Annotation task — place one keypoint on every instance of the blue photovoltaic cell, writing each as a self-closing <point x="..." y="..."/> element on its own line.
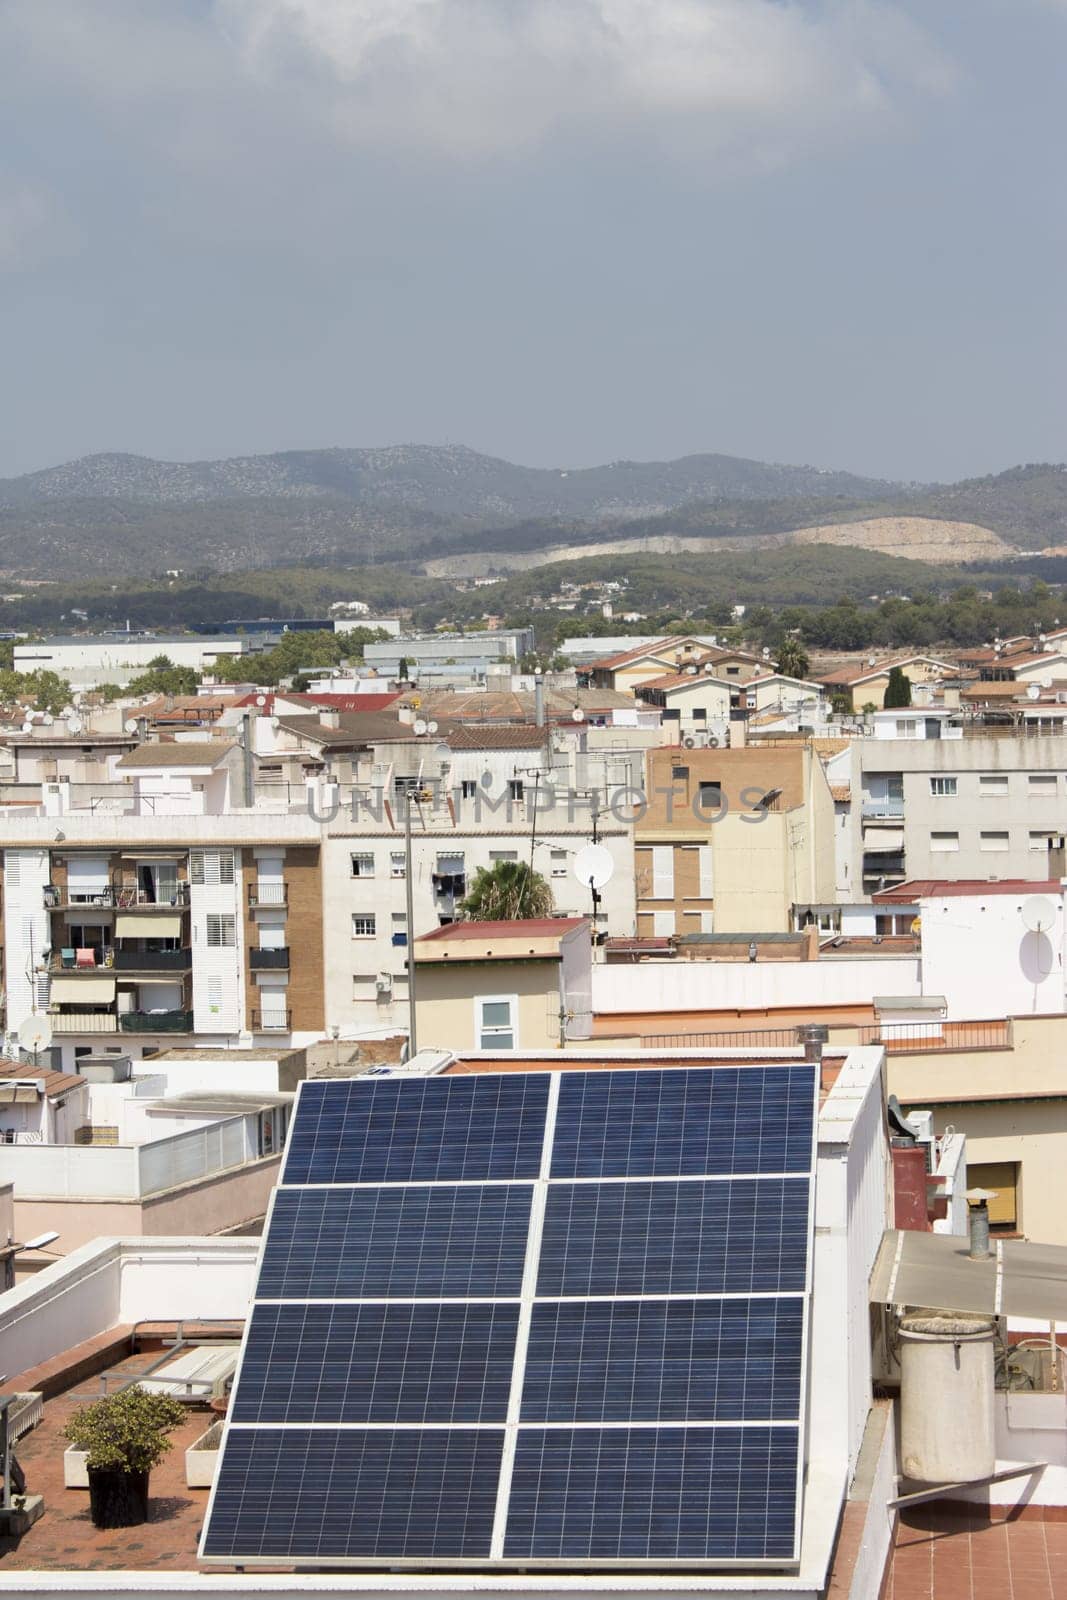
<point x="706" y="1120"/>
<point x="426" y="1130"/>
<point x="745" y="1237"/>
<point x="298" y="1493"/>
<point x="332" y="1244"/>
<point x="377" y="1363"/>
<point x="663" y="1494"/>
<point x="664" y="1361"/>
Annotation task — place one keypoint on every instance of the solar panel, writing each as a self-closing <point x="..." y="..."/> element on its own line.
<point x="663" y="1494"/>
<point x="529" y="1318"/>
<point x="330" y="1244"/>
<point x="377" y="1363"/>
<point x="389" y="1130"/>
<point x="649" y="1123"/>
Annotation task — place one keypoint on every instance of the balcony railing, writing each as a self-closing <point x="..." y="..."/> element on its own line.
<point x="156" y="1021"/>
<point x="125" y="896"/>
<point x="129" y="897"/>
<point x="57" y="897"/>
<point x="84" y="1021"/>
<point x="273" y="895"/>
<point x="883" y="810"/>
<point x="920" y="1037"/>
<point x="152" y="960"/>
<point x="269" y="960"/>
<point x="271" y="1021"/>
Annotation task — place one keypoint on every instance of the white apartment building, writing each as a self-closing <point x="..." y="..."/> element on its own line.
<point x="983" y="806"/>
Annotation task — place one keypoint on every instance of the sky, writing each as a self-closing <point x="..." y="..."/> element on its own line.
<point x="559" y="231"/>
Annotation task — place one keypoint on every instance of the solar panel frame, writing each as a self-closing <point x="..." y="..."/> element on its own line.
<point x="499" y="1556"/>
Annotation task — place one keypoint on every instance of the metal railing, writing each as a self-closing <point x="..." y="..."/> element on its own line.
<point x="130" y="897"/>
<point x="267" y="894"/>
<point x="57" y="896"/>
<point x="269" y="960"/>
<point x="920" y="1037"/>
<point x="739" y="1039"/>
<point x="156" y="1022"/>
<point x="84" y="1021"/>
<point x="271" y="1021"/>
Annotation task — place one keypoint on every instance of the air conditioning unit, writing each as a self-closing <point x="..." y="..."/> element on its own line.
<point x="713" y="741"/>
<point x="689" y="742"/>
<point x="383" y="984"/>
<point x="28" y="1136"/>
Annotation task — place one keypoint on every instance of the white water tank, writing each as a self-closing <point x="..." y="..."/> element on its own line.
<point x="946" y="1397"/>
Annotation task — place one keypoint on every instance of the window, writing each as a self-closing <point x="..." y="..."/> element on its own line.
<point x="1002" y="1179"/>
<point x="699" y="713"/>
<point x="943" y="786"/>
<point x="906" y="727"/>
<point x="1042" y="783"/>
<point x="709" y="796"/>
<point x="944" y="841"/>
<point x="503" y="855"/>
<point x="364" y="926"/>
<point x="663" y="924"/>
<point x="495" y="1019"/>
<point x="468" y="789"/>
<point x="515" y="788"/>
<point x="993" y="783"/>
<point x="993" y="841"/>
<point x="211" y="867"/>
<point x="398" y="866"/>
<point x="559" y="863"/>
<point x="363" y="865"/>
<point x="679" y="774"/>
<point x="221" y="929"/>
<point x="400" y="929"/>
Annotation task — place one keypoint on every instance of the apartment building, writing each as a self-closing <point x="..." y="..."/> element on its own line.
<point x="731" y="840"/>
<point x="866" y="684"/>
<point x="974" y="807"/>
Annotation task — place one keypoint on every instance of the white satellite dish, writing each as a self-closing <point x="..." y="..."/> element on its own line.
<point x="593" y="866"/>
<point x="68" y="711"/>
<point x="130" y="725"/>
<point x="418" y="727"/>
<point x="48" y="719"/>
<point x="35" y="1033"/>
<point x="1038" y="914"/>
<point x="431" y="727"/>
<point x="1033" y="692"/>
<point x="74" y="724"/>
<point x="27" y="726"/>
<point x="261" y="699"/>
<point x="577" y="715"/>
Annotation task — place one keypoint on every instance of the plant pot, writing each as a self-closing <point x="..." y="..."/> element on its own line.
<point x="117" y="1499"/>
<point x="202" y="1458"/>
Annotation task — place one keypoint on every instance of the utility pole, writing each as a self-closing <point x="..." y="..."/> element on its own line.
<point x="409" y="887"/>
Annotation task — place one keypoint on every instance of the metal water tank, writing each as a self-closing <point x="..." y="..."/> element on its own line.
<point x="946" y="1397"/>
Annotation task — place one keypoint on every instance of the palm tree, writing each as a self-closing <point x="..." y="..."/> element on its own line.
<point x="793" y="659"/>
<point x="507" y="892"/>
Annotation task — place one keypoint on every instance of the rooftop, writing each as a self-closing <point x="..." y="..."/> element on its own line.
<point x="55" y="1083"/>
<point x="180" y="753"/>
<point x="523" y="928"/>
<point x="916" y="889"/>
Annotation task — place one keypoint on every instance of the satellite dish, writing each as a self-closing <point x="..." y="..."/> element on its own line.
<point x="1033" y="692"/>
<point x="577" y="715"/>
<point x="74" y="724"/>
<point x="130" y="725"/>
<point x="35" y="1033"/>
<point x="418" y="727"/>
<point x="1038" y="914"/>
<point x="27" y="726"/>
<point x="593" y="866"/>
<point x="431" y="727"/>
<point x="261" y="699"/>
<point x="709" y="666"/>
<point x="68" y="711"/>
<point x="48" y="719"/>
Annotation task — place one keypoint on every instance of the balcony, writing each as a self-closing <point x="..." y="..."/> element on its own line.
<point x="84" y="1021"/>
<point x="57" y="897"/>
<point x="152" y="960"/>
<point x="264" y="896"/>
<point x="269" y="960"/>
<point x="156" y="1022"/>
<point x="883" y="810"/>
<point x="128" y="897"/>
<point x="271" y="1021"/>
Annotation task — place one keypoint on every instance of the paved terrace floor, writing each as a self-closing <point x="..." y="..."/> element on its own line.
<point x="946" y="1555"/>
<point x="65" y="1540"/>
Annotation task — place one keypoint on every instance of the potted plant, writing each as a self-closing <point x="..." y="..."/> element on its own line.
<point x="123" y="1435"/>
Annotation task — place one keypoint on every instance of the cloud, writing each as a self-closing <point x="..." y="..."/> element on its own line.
<point x="488" y="77"/>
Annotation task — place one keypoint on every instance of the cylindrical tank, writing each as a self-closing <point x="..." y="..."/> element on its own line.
<point x="946" y="1397"/>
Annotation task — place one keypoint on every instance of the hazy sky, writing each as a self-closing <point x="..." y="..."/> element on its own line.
<point x="563" y="231"/>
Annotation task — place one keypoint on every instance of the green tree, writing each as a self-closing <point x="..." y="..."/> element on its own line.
<point x="793" y="659"/>
<point x="47" y="690"/>
<point x="897" y="689"/>
<point x="508" y="892"/>
<point x="161" y="676"/>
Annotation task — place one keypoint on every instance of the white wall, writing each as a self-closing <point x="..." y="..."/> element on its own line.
<point x="712" y="985"/>
<point x="978" y="953"/>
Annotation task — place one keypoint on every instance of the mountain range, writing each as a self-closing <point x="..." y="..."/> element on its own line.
<point x="125" y="514"/>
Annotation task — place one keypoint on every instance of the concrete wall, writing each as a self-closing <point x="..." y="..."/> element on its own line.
<point x="445" y="1002"/>
<point x="978" y="953"/>
<point x="701" y="986"/>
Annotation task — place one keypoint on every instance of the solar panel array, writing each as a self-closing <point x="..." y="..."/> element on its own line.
<point x="529" y="1318"/>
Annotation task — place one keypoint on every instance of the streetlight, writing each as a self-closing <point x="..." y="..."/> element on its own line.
<point x="9" y="1251"/>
